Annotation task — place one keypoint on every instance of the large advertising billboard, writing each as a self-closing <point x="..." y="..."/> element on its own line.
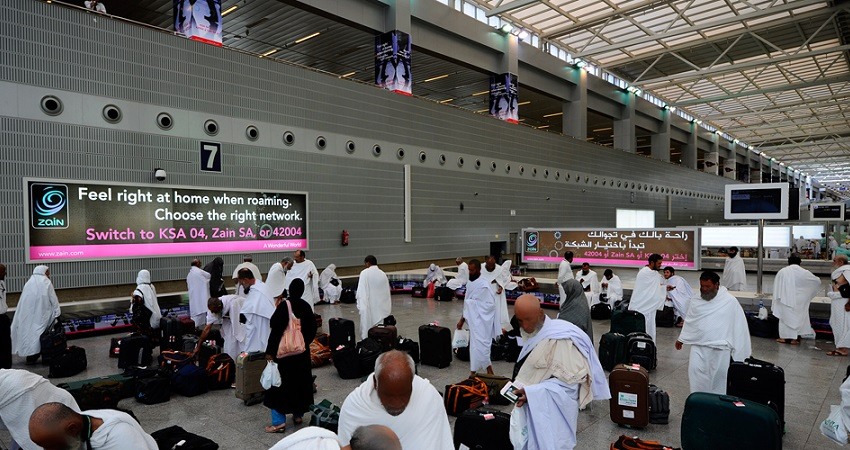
<point x="612" y="247"/>
<point x="77" y="220"/>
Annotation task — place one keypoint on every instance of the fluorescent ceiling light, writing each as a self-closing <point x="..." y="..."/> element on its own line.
<point x="542" y="127"/>
<point x="311" y="36"/>
<point x="523" y="103"/>
<point x="601" y="129"/>
<point x="553" y="114"/>
<point x="507" y="28"/>
<point x="480" y="93"/>
<point x="270" y="52"/>
<point x="482" y="110"/>
<point x="347" y="74"/>
<point x="229" y="10"/>
<point x="439" y="77"/>
<point x="446" y="100"/>
<point x="523" y="35"/>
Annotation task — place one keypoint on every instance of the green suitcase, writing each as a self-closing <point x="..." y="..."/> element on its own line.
<point x="715" y="421"/>
<point x="626" y="322"/>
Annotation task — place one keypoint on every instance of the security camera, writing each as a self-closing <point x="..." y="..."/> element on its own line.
<point x="159" y="174"/>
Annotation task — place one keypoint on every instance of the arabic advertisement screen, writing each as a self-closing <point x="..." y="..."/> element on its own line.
<point x="612" y="247"/>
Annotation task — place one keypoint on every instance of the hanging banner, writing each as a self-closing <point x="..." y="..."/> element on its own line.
<point x="199" y="20"/>
<point x="392" y="62"/>
<point x="730" y="168"/>
<point x="504" y="97"/>
<point x="77" y="220"/>
<point x="710" y="163"/>
<point x="612" y="247"/>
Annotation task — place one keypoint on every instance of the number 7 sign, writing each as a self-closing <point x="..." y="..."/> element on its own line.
<point x="210" y="157"/>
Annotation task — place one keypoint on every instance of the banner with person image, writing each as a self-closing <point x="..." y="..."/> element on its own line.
<point x="199" y="20"/>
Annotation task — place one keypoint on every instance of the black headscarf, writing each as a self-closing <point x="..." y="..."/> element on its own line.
<point x="216" y="270"/>
<point x="296" y="289"/>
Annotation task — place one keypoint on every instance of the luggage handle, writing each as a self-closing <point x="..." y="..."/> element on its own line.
<point x="753" y="362"/>
<point x="729" y="398"/>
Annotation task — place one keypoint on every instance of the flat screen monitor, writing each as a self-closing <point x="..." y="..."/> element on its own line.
<point x="756" y="201"/>
<point x="827" y="211"/>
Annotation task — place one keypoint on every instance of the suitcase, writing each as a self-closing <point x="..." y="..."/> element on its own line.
<point x="495" y="383"/>
<point x="187" y="325"/>
<point x="626" y="321"/>
<point x="444" y="294"/>
<point x="176" y="438"/>
<point x="189" y="343"/>
<point x="385" y="335"/>
<point x="462" y="354"/>
<point x="715" y="421"/>
<point x="134" y="350"/>
<point x="659" y="406"/>
<point x="498" y="349"/>
<point x="100" y="392"/>
<point x="325" y="415"/>
<point x="189" y="381"/>
<point x="53" y="342"/>
<point x="435" y="346"/>
<point x="631" y="443"/>
<point x="249" y="368"/>
<point x="600" y="311"/>
<point x="171" y="361"/>
<point x="768" y="328"/>
<point x="629" y="405"/>
<point x="483" y="429"/>
<point x="346" y="362"/>
<point x="759" y="381"/>
<point x="410" y="347"/>
<point x="206" y="352"/>
<point x="528" y="284"/>
<point x="612" y="350"/>
<point x="666" y="318"/>
<point x="320" y="353"/>
<point x="341" y="332"/>
<point x="72" y="362"/>
<point x="368" y="351"/>
<point x="114" y="347"/>
<point x="348" y="296"/>
<point x="389" y="320"/>
<point x="641" y="350"/>
<point x="220" y="371"/>
<point x="153" y="390"/>
<point x="318" y="319"/>
<point x="418" y="291"/>
<point x="171" y="332"/>
<point x="467" y="394"/>
<point x="513" y="348"/>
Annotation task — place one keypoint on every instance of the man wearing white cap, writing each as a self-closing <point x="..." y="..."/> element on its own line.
<point x="246" y="264"/>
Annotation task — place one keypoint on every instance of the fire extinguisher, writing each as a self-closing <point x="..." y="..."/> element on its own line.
<point x="344" y="238"/>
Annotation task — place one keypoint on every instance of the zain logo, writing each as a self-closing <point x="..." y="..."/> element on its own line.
<point x="531" y="242"/>
<point x="49" y="203"/>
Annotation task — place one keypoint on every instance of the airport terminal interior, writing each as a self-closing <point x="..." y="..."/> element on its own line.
<point x="141" y="135"/>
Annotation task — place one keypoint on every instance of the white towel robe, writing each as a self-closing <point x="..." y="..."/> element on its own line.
<point x="565" y="271"/>
<point x="734" y="274"/>
<point x="481" y="311"/>
<point x="614" y="291"/>
<point x="681" y="295"/>
<point x="306" y="271"/>
<point x="461" y="279"/>
<point x="499" y="279"/>
<point x="257" y="309"/>
<point x="198" y="281"/>
<point x="21" y="392"/>
<point x="590" y="280"/>
<point x="648" y="296"/>
<point x="119" y="431"/>
<point x="37" y="308"/>
<point x="793" y="290"/>
<point x="374" y="299"/>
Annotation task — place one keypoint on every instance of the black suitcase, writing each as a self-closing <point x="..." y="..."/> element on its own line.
<point x="368" y="351"/>
<point x="641" y="350"/>
<point x="189" y="343"/>
<point x="659" y="405"/>
<point x="347" y="362"/>
<point x="435" y="346"/>
<point x="177" y="438"/>
<point x="714" y="421"/>
<point x="759" y="381"/>
<point x="483" y="429"/>
<point x="384" y="335"/>
<point x="114" y="347"/>
<point x="612" y="350"/>
<point x="153" y="390"/>
<point x="513" y="348"/>
<point x="134" y="350"/>
<point x="498" y="349"/>
<point x="172" y="330"/>
<point x="768" y="328"/>
<point x="666" y="318"/>
<point x="443" y="294"/>
<point x="627" y="321"/>
<point x="341" y="332"/>
<point x="348" y="295"/>
<point x="99" y="393"/>
<point x="419" y="291"/>
<point x="72" y="362"/>
<point x="189" y="381"/>
<point x="53" y="342"/>
<point x="410" y="347"/>
<point x="462" y="353"/>
<point x="600" y="311"/>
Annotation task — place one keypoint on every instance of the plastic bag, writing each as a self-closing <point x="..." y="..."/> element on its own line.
<point x="270" y="376"/>
<point x="518" y="430"/>
<point x="762" y="313"/>
<point x="461" y="339"/>
<point x="833" y="426"/>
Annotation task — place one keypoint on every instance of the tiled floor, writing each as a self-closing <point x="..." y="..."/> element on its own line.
<point x="812" y="385"/>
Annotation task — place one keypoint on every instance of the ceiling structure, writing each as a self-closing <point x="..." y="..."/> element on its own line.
<point x="773" y="74"/>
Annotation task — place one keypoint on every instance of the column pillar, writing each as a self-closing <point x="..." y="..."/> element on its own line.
<point x="574" y="121"/>
<point x="661" y="140"/>
<point x="689" y="155"/>
<point x="625" y="137"/>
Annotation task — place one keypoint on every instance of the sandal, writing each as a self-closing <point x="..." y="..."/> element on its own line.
<point x="835" y="353"/>
<point x="297" y="420"/>
<point x="788" y="341"/>
<point x="276" y="429"/>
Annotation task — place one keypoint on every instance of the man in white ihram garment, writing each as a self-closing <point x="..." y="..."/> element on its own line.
<point x="611" y="286"/>
<point x="679" y="293"/>
<point x="558" y="373"/>
<point x="394" y="396"/>
<point x="462" y="275"/>
<point x="374" y="299"/>
<point x="38" y="308"/>
<point x="565" y="271"/>
<point x="499" y="279"/>
<point x="304" y="269"/>
<point x="22" y="392"/>
<point x="256" y="312"/>
<point x="589" y="283"/>
<point x="481" y="311"/>
<point x="434" y="275"/>
<point x="247" y="263"/>
<point x="330" y="284"/>
<point x="649" y="292"/>
<point x="225" y="311"/>
<point x="55" y="426"/>
<point x="793" y="290"/>
<point x="276" y="278"/>
<point x="839" y="317"/>
<point x="716" y="329"/>
<point x="198" y="281"/>
<point x="734" y="273"/>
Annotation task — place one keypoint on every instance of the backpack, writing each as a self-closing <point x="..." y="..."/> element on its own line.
<point x="659" y="405"/>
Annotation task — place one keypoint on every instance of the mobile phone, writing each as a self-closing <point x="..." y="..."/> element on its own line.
<point x="509" y="391"/>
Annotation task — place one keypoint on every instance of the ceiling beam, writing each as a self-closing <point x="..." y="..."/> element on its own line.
<point x="601" y="18"/>
<point x="734" y="19"/>
<point x="803" y="105"/>
<point x="517" y="4"/>
<point x="837" y="116"/>
<point x="781" y="88"/>
<point x="826" y="141"/>
<point x="737" y="67"/>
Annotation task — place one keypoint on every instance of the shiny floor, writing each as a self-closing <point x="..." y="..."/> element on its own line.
<point x="812" y="385"/>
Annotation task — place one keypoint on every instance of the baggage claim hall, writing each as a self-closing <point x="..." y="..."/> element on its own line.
<point x="424" y="224"/>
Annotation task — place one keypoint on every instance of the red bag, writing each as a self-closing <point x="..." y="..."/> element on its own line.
<point x="431" y="290"/>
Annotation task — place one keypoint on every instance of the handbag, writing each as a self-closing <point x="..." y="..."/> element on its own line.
<point x="271" y="376"/>
<point x="292" y="341"/>
<point x="633" y="443"/>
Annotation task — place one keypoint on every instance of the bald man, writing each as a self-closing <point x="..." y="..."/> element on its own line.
<point x="54" y="426"/>
<point x="369" y="437"/>
<point x="558" y="374"/>
<point x="395" y="397"/>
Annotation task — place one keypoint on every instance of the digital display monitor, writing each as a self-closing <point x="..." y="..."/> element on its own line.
<point x="827" y="211"/>
<point x="756" y="201"/>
